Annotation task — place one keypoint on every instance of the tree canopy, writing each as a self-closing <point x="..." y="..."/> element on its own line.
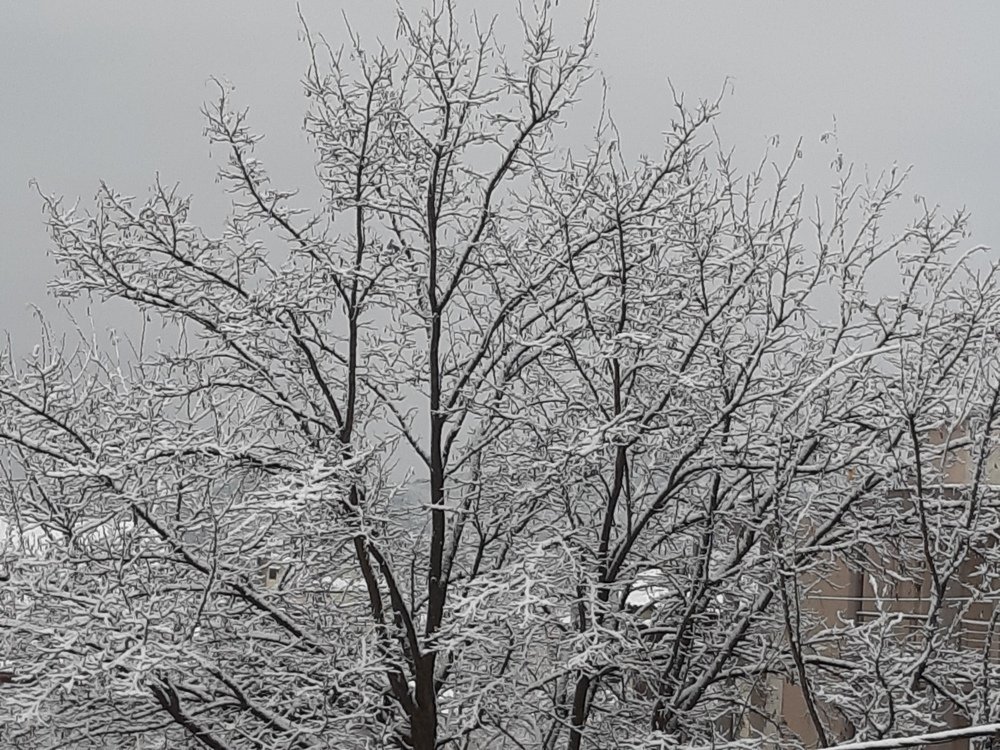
<point x="504" y="445"/>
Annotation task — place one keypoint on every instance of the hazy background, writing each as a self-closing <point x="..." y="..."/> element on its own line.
<point x="112" y="90"/>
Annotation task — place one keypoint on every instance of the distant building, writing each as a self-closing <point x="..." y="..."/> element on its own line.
<point x="860" y="590"/>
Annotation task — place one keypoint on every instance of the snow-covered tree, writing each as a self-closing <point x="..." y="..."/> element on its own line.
<point x="502" y="446"/>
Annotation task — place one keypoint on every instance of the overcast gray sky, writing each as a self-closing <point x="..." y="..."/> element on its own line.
<point x="112" y="90"/>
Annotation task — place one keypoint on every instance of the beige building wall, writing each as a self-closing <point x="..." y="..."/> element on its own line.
<point x="847" y="594"/>
<point x="834" y="598"/>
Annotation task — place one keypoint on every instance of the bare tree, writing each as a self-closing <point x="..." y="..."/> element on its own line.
<point x="502" y="446"/>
